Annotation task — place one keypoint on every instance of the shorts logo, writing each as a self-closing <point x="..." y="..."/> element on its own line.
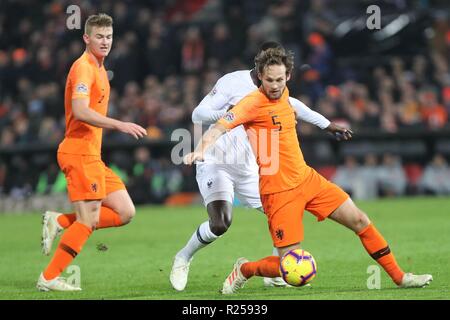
<point x="229" y="116"/>
<point x="81" y="88"/>
<point x="209" y="183"/>
<point x="279" y="233"/>
<point x="213" y="91"/>
<point x="94" y="187"/>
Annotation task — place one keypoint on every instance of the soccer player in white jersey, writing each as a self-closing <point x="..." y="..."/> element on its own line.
<point x="220" y="177"/>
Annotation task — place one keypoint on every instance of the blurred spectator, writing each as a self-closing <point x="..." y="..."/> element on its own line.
<point x="2" y="176"/>
<point x="153" y="180"/>
<point x="347" y="175"/>
<point x="408" y="108"/>
<point x="141" y="175"/>
<point x="221" y="47"/>
<point x="446" y="98"/>
<point x="436" y="176"/>
<point x="320" y="56"/>
<point x="368" y="178"/>
<point x="434" y="114"/>
<point x="391" y="177"/>
<point x="192" y="51"/>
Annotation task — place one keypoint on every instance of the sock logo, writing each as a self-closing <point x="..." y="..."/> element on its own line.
<point x="381" y="253"/>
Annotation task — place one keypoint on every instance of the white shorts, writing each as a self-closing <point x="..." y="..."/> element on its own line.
<point x="219" y="182"/>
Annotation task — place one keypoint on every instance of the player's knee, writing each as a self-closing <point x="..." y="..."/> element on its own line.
<point x="127" y="214"/>
<point x="361" y="221"/>
<point x="219" y="227"/>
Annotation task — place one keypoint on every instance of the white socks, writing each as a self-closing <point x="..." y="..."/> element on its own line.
<point x="199" y="239"/>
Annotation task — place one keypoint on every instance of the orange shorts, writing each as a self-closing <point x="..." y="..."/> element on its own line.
<point x="284" y="209"/>
<point x="88" y="178"/>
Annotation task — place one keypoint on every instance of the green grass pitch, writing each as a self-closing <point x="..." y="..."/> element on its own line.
<point x="138" y="261"/>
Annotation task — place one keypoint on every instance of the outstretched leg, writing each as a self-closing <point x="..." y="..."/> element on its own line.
<point x="349" y="215"/>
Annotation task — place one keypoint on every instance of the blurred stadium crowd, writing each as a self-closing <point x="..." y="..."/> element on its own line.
<point x="168" y="54"/>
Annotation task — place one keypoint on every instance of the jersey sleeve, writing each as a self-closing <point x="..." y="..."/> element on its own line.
<point x="306" y="114"/>
<point x="219" y="97"/>
<point x="82" y="78"/>
<point x="214" y="105"/>
<point x="244" y="112"/>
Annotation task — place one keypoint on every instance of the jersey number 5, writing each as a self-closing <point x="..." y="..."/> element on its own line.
<point x="277" y="123"/>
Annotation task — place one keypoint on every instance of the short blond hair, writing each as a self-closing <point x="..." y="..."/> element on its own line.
<point x="97" y="20"/>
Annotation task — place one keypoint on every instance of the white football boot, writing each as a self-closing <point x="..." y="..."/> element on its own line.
<point x="415" y="281"/>
<point x="275" y="282"/>
<point x="280" y="283"/>
<point x="57" y="284"/>
<point x="179" y="273"/>
<point x="50" y="230"/>
<point x="235" y="279"/>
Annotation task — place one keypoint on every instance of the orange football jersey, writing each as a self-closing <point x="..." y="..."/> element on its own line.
<point x="271" y="128"/>
<point x="85" y="80"/>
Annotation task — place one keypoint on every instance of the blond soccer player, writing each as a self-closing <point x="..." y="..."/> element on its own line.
<point x="98" y="195"/>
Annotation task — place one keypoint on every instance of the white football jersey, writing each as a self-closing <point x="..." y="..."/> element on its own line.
<point x="233" y="148"/>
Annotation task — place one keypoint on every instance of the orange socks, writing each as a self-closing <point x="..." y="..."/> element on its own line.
<point x="379" y="250"/>
<point x="65" y="220"/>
<point x="266" y="267"/>
<point x="70" y="245"/>
<point x="108" y="218"/>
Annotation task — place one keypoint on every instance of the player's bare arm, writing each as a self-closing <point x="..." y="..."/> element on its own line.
<point x="82" y="112"/>
<point x="208" y="139"/>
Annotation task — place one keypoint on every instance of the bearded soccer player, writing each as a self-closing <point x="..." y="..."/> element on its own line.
<point x="287" y="184"/>
<point x="99" y="197"/>
<point x="225" y="174"/>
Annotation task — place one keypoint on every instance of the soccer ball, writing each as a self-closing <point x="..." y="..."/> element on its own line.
<point x="298" y="267"/>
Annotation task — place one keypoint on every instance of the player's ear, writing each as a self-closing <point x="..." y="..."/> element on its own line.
<point x="259" y="76"/>
<point x="86" y="38"/>
<point x="288" y="76"/>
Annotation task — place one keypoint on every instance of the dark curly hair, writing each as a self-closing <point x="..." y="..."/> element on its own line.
<point x="274" y="56"/>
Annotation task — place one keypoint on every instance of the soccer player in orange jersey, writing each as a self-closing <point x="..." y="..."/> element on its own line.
<point x="287" y="184"/>
<point x="99" y="197"/>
